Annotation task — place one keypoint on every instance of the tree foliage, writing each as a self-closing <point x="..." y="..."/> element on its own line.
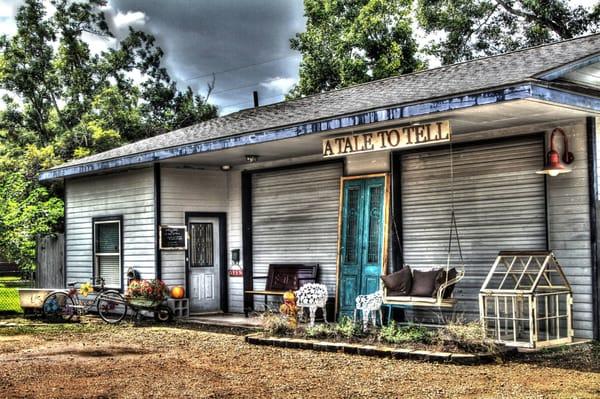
<point x="72" y="103"/>
<point x="354" y="41"/>
<point x="475" y="28"/>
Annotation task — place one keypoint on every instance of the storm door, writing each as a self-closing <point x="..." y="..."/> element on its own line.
<point x="204" y="265"/>
<point x="362" y="239"/>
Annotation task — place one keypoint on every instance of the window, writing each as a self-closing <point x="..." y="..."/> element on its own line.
<point x="107" y="251"/>
<point x="201" y="246"/>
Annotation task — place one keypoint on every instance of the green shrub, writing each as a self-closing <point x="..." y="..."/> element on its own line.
<point x="394" y="334"/>
<point x="469" y="336"/>
<point x="319" y="331"/>
<point x="347" y="328"/>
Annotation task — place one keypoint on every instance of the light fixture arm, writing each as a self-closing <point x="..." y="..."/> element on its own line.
<point x="567" y="157"/>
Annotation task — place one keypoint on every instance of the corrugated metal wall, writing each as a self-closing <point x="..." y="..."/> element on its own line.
<point x="130" y="194"/>
<point x="499" y="202"/>
<point x="295" y="219"/>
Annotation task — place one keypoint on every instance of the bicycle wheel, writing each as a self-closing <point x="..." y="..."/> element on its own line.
<point x="58" y="306"/>
<point x="112" y="307"/>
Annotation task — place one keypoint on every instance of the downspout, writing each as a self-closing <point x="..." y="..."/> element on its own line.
<point x="157" y="221"/>
<point x="592" y="152"/>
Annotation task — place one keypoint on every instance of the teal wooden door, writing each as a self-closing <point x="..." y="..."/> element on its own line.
<point x="361" y="240"/>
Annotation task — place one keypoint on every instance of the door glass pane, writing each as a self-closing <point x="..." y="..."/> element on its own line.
<point x="201" y="246"/>
<point x="107" y="238"/>
<point x="352" y="224"/>
<point x="374" y="227"/>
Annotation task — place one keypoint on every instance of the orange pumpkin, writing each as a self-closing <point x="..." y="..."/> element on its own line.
<point x="177" y="292"/>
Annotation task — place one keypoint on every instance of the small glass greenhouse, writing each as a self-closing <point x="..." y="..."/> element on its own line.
<point x="526" y="300"/>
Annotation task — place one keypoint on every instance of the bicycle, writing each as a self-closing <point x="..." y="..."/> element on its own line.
<point x="64" y="304"/>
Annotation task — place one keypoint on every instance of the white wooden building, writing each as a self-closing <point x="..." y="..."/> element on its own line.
<point x="258" y="181"/>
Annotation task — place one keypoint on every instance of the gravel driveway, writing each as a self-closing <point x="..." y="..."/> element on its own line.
<point x="128" y="361"/>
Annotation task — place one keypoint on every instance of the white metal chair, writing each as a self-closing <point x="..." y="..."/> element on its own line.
<point x="312" y="296"/>
<point x="369" y="305"/>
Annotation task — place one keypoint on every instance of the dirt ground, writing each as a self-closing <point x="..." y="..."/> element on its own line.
<point x="137" y="361"/>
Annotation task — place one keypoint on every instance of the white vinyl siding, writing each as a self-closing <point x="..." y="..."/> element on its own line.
<point x="129" y="194"/>
<point x="192" y="190"/>
<point x="569" y="227"/>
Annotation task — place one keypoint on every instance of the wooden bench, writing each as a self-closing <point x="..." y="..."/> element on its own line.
<point x="10" y="270"/>
<point x="283" y="277"/>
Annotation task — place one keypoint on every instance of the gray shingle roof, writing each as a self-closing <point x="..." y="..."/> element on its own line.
<point x="471" y="76"/>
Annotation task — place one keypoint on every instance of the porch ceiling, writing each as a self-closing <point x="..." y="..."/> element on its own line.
<point x="463" y="122"/>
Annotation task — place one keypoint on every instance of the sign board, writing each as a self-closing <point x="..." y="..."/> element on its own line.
<point x="388" y="139"/>
<point x="173" y="238"/>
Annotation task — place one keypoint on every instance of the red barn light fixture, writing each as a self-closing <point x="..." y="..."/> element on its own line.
<point x="553" y="166"/>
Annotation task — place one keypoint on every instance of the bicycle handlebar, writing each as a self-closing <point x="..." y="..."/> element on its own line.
<point x="98" y="279"/>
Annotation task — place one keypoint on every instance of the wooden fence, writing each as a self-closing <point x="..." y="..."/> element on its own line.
<point x="50" y="262"/>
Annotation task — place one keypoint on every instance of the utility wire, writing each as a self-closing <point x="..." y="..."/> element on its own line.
<point x="239" y="68"/>
<point x="249" y="101"/>
<point x="244" y="87"/>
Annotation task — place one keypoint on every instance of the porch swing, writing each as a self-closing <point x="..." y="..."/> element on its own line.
<point x="443" y="295"/>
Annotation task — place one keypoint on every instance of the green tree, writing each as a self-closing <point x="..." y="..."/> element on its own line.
<point x="475" y="28"/>
<point x="73" y="103"/>
<point x="354" y="41"/>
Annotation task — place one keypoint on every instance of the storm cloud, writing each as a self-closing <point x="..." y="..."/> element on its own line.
<point x="245" y="43"/>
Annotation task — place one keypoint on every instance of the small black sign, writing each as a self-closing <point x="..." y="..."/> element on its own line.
<point x="173" y="238"/>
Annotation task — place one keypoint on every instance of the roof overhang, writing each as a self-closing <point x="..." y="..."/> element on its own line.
<point x="536" y="91"/>
<point x="565" y="69"/>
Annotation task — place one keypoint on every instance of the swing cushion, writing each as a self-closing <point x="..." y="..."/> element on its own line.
<point x="398" y="283"/>
<point x="440" y="279"/>
<point x="424" y="283"/>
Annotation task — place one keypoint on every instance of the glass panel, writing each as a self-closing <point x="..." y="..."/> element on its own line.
<point x="201" y="249"/>
<point x="109" y="268"/>
<point x="374" y="228"/>
<point x="107" y="238"/>
<point x="352" y="224"/>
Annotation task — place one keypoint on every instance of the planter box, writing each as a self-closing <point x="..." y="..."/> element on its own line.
<point x="374" y="350"/>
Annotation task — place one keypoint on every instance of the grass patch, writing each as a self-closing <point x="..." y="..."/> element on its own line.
<point x="9" y="279"/>
<point x="9" y="295"/>
<point x="9" y="300"/>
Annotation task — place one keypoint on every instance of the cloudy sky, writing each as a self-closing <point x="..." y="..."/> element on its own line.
<point x="245" y="43"/>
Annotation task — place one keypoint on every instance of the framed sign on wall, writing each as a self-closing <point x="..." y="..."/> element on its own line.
<point x="173" y="238"/>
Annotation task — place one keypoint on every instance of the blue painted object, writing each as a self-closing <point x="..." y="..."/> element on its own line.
<point x="361" y="240"/>
<point x="516" y="92"/>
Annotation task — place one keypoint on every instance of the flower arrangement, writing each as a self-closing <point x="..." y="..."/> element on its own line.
<point x="152" y="290"/>
<point x="86" y="289"/>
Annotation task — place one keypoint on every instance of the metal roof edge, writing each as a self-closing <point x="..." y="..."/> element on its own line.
<point x="562" y="70"/>
<point x="553" y="94"/>
<point x="514" y="92"/>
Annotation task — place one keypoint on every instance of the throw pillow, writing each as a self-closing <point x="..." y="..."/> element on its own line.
<point x="423" y="283"/>
<point x="398" y="283"/>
